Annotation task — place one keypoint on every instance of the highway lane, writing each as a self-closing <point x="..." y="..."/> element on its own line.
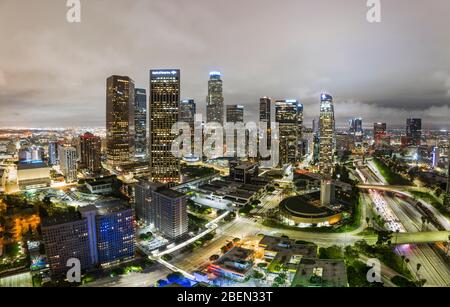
<point x="147" y="278"/>
<point x="433" y="268"/>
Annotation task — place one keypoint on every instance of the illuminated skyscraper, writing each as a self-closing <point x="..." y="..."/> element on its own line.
<point x="67" y="156"/>
<point x="119" y="120"/>
<point x="188" y="109"/>
<point x="235" y="114"/>
<point x="356" y="130"/>
<point x="164" y="113"/>
<point x="380" y="135"/>
<point x="414" y="131"/>
<point x="140" y="122"/>
<point x="327" y="138"/>
<point x="215" y="101"/>
<point x="447" y="192"/>
<point x="90" y="153"/>
<point x="265" y="116"/>
<point x="287" y="115"/>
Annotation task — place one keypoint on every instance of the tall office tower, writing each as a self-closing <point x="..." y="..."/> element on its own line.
<point x="67" y="156"/>
<point x="414" y="131"/>
<point x="140" y="122"/>
<point x="286" y="114"/>
<point x="327" y="136"/>
<point x="356" y="130"/>
<point x="164" y="113"/>
<point x="119" y="120"/>
<point x="265" y="116"/>
<point x="53" y="153"/>
<point x="90" y="153"/>
<point x="169" y="212"/>
<point x="215" y="101"/>
<point x="380" y="134"/>
<point x="301" y="128"/>
<point x="188" y="109"/>
<point x="66" y="236"/>
<point x="447" y="192"/>
<point x="235" y="114"/>
<point x="143" y="200"/>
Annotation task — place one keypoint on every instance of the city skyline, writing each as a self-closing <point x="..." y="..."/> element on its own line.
<point x="388" y="72"/>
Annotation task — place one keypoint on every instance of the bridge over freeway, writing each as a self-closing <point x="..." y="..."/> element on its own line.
<point x="414" y="237"/>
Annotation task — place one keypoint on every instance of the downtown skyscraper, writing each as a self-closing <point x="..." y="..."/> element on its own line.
<point x="215" y="101"/>
<point x="90" y="153"/>
<point x="414" y="131"/>
<point x="326" y="138"/>
<point x="380" y="135"/>
<point x="140" y="122"/>
<point x="357" y="131"/>
<point x="265" y="116"/>
<point x="235" y="114"/>
<point x="120" y="120"/>
<point x="287" y="116"/>
<point x="164" y="109"/>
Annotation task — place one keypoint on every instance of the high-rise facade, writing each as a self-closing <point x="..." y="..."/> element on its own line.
<point x="265" y="116"/>
<point x="169" y="213"/>
<point x="115" y="232"/>
<point x="53" y="153"/>
<point x="90" y="153"/>
<point x="188" y="109"/>
<point x="140" y="122"/>
<point x="215" y="101"/>
<point x="235" y="114"/>
<point x="356" y="130"/>
<point x="164" y="111"/>
<point x="414" y="131"/>
<point x="326" y="136"/>
<point x="143" y="200"/>
<point x="380" y="135"/>
<point x="66" y="237"/>
<point x="100" y="234"/>
<point x="287" y="116"/>
<point x="447" y="192"/>
<point x="119" y="120"/>
<point x="67" y="156"/>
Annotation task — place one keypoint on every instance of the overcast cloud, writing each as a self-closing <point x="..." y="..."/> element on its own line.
<point x="53" y="74"/>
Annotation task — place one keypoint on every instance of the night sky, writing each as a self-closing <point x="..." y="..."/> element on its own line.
<point x="53" y="73"/>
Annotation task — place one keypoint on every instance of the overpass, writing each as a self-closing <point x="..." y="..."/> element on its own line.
<point x="386" y="188"/>
<point x="413" y="237"/>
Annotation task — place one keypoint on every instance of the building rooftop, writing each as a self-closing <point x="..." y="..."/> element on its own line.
<point x="111" y="206"/>
<point x="170" y="193"/>
<point x="32" y="165"/>
<point x="320" y="273"/>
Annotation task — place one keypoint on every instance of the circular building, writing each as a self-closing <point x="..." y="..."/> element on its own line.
<point x="307" y="211"/>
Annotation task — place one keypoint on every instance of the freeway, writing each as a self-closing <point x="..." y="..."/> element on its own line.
<point x="402" y="213"/>
<point x="407" y="220"/>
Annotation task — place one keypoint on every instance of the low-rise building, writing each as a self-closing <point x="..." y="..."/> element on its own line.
<point x="236" y="264"/>
<point x="321" y="273"/>
<point x="33" y="175"/>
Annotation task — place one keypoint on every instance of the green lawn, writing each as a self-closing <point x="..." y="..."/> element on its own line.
<point x="391" y="177"/>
